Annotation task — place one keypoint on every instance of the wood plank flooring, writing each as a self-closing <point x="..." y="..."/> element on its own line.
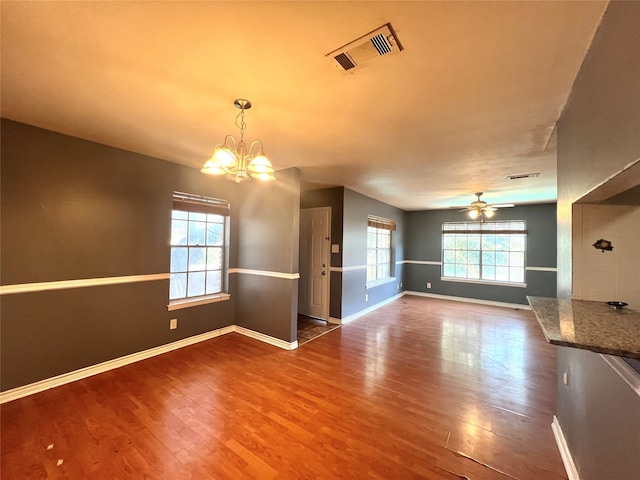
<point x="420" y="388"/>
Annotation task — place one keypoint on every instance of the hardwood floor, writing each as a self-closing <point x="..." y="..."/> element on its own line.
<point x="393" y="395"/>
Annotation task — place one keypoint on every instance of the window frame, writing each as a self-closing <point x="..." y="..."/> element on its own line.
<point x="505" y="228"/>
<point x="378" y="229"/>
<point x="206" y="214"/>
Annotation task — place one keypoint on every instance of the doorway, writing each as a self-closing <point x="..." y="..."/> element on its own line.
<point x="313" y="290"/>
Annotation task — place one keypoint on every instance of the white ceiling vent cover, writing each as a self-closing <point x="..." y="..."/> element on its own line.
<point x="365" y="50"/>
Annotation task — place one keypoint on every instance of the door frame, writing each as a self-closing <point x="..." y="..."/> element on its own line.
<point x="327" y="248"/>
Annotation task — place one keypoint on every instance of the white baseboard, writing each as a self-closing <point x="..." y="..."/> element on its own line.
<point x="65" y="378"/>
<point x="567" y="459"/>
<point x="351" y="318"/>
<point x="470" y="300"/>
<point x="266" y="338"/>
<point x="69" y="377"/>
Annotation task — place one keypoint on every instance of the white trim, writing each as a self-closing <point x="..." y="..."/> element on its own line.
<point x="85" y="282"/>
<point x="421" y="262"/>
<point x="69" y="377"/>
<point x="47" y="383"/>
<point x="622" y="368"/>
<point x="351" y="318"/>
<point x="194" y="302"/>
<point x="567" y="459"/>
<point x="470" y="300"/>
<point x="265" y="273"/>
<point x="483" y="282"/>
<point x="541" y="269"/>
<point x="348" y="269"/>
<point x="265" y="338"/>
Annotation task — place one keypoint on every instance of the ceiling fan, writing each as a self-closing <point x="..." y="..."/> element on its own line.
<point x="481" y="209"/>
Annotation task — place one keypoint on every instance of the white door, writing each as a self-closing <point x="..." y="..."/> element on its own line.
<point x="313" y="292"/>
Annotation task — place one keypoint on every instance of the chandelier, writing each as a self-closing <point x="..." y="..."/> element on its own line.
<point x="234" y="160"/>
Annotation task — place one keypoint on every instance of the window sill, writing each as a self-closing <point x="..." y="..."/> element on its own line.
<point x="381" y="281"/>
<point x="194" y="302"/>
<point x="483" y="282"/>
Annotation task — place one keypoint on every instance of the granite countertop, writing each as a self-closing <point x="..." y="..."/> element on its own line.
<point x="589" y="325"/>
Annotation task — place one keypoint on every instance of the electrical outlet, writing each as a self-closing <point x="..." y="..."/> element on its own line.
<point x="428" y="284"/>
<point x="400" y="284"/>
<point x="366" y="297"/>
<point x="173" y="324"/>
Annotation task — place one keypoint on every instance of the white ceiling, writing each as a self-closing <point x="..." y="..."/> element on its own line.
<point x="473" y="97"/>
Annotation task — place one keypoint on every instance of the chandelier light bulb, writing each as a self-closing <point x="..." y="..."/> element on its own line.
<point x="212" y="167"/>
<point x="260" y="164"/>
<point x="225" y="157"/>
<point x="265" y="177"/>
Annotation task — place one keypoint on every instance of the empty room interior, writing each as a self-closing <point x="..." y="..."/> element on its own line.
<point x="317" y="240"/>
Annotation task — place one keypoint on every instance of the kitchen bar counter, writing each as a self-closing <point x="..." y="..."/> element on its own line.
<point x="589" y="325"/>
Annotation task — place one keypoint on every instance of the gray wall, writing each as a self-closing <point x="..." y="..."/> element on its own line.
<point x="268" y="240"/>
<point x="599" y="130"/>
<point x="419" y="237"/>
<point x="333" y="198"/>
<point x="357" y="208"/>
<point x="349" y="215"/>
<point x="424" y="243"/>
<point x="600" y="417"/>
<point x="598" y="135"/>
<point x="73" y="209"/>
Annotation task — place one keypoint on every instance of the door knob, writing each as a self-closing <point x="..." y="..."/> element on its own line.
<point x="324" y="273"/>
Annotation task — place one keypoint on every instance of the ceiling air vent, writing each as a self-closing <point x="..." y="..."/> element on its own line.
<point x="523" y="175"/>
<point x="365" y="50"/>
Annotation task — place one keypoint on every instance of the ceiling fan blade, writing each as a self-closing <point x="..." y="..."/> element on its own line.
<point x="503" y="205"/>
<point x="462" y="208"/>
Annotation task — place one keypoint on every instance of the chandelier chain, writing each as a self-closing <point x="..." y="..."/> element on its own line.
<point x="241" y="124"/>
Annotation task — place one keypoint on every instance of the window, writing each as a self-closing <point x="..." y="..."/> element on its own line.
<point x="198" y="247"/>
<point x="484" y="252"/>
<point x="379" y="248"/>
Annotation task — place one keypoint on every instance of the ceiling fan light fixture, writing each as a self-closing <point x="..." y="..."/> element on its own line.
<point x="481" y="210"/>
